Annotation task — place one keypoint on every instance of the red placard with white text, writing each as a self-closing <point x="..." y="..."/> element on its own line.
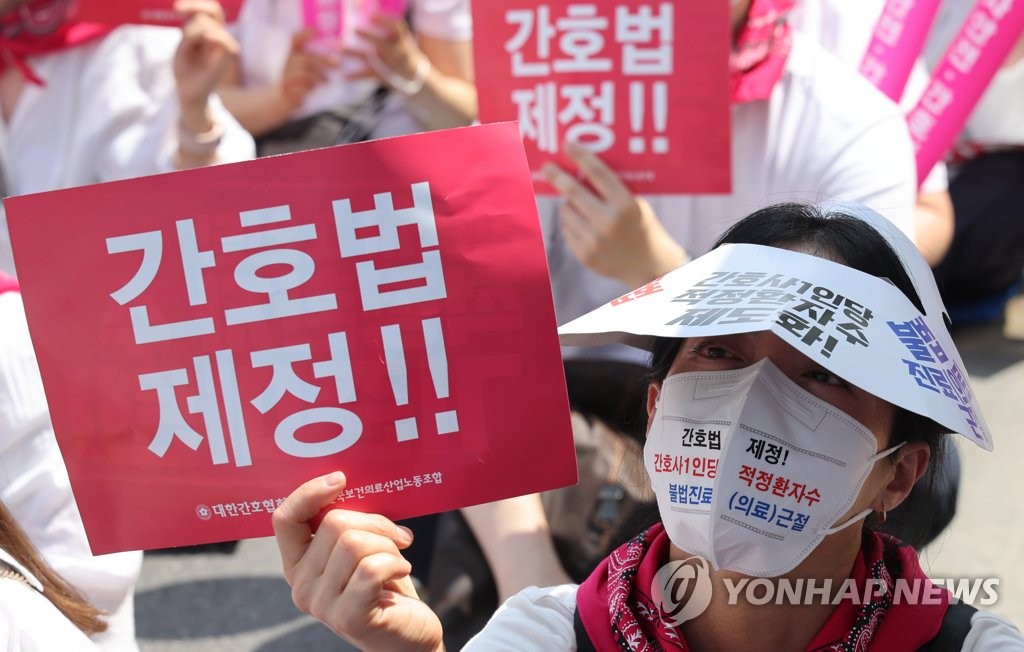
<point x="142" y="12"/>
<point x="642" y="82"/>
<point x="210" y="339"/>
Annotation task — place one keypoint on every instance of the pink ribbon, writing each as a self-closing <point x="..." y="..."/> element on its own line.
<point x="969" y="64"/>
<point x="896" y="43"/>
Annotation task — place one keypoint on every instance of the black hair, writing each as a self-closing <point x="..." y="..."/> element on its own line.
<point x="855" y="243"/>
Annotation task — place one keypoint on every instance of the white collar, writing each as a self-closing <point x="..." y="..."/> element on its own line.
<point x="11" y="561"/>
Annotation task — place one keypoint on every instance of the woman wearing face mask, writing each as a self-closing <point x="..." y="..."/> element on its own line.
<point x="765" y="461"/>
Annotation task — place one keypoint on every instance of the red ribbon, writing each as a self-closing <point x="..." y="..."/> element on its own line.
<point x="41" y="27"/>
<point x="762" y="48"/>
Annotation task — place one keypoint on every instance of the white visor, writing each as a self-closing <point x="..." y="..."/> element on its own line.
<point x="858" y="326"/>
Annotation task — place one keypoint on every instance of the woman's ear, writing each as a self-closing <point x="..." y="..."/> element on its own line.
<point x="911" y="463"/>
<point x="653" y="390"/>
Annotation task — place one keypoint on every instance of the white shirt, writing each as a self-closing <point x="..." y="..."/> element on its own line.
<point x="29" y="622"/>
<point x="825" y="134"/>
<point x="541" y="620"/>
<point x="265" y="28"/>
<point x="845" y="29"/>
<point x="108" y="111"/>
<point x="35" y="487"/>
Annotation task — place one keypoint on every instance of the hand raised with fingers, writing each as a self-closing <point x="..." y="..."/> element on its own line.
<point x="391" y="54"/>
<point x="608" y="228"/>
<point x="204" y="54"/>
<point x="303" y="71"/>
<point x="349" y="574"/>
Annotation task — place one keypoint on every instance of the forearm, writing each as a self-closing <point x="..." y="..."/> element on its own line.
<point x="444" y="102"/>
<point x="933" y="225"/>
<point x="516" y="540"/>
<point x="657" y="253"/>
<point x="665" y="255"/>
<point x="259" y="109"/>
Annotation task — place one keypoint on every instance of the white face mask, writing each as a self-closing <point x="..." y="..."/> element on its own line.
<point x="751" y="471"/>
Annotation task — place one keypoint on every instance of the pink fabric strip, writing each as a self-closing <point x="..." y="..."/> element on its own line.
<point x="896" y="43"/>
<point x="974" y="56"/>
<point x="7" y="284"/>
<point x="396" y="8"/>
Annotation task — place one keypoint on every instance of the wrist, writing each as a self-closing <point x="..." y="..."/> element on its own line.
<point x="197" y="148"/>
<point x="407" y="86"/>
<point x="197" y="118"/>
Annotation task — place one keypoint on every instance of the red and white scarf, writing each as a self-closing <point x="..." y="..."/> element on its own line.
<point x="761" y="50"/>
<point x="41" y="27"/>
<point x="618" y="612"/>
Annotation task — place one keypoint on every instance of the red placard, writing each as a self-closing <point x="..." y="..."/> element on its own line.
<point x="210" y="339"/>
<point x="142" y="12"/>
<point x="644" y="83"/>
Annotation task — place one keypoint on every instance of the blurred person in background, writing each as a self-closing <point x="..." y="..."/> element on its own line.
<point x="805" y="126"/>
<point x="81" y="104"/>
<point x="38" y="609"/>
<point x="845" y="29"/>
<point x="383" y="75"/>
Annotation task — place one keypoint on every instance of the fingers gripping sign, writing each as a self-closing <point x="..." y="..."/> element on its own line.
<point x="608" y="228"/>
<point x="349" y="573"/>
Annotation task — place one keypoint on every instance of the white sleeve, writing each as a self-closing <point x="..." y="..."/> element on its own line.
<point x="30" y="623"/>
<point x="877" y="169"/>
<point x="535" y="619"/>
<point x="840" y="135"/>
<point x="132" y="114"/>
<point x="990" y="632"/>
<point x="449" y="20"/>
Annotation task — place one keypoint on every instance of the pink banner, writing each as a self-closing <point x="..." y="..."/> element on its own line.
<point x="326" y="18"/>
<point x="334" y="23"/>
<point x="209" y="339"/>
<point x="979" y="49"/>
<point x="897" y="42"/>
<point x="391" y="7"/>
